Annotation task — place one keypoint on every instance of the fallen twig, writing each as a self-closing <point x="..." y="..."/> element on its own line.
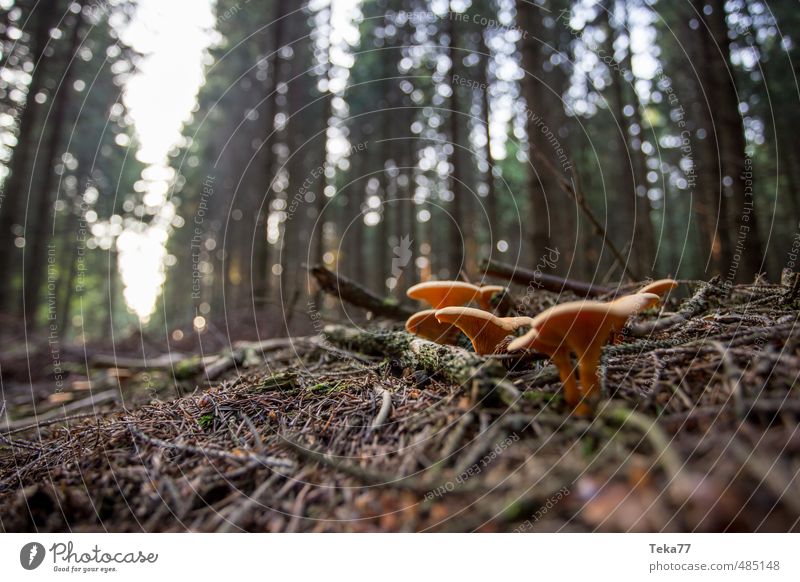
<point x="241" y="457"/>
<point x="542" y="280"/>
<point x="571" y="189"/>
<point x="351" y="292"/>
<point x="61" y="413"/>
<point x="386" y="407"/>
<point x="697" y="304"/>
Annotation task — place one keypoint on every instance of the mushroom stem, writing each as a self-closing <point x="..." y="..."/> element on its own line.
<point x="580" y="327"/>
<point x="566" y="371"/>
<point x="588" y="361"/>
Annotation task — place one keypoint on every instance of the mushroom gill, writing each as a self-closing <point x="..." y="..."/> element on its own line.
<point x="425" y="324"/>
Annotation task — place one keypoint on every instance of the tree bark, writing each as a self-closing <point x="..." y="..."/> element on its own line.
<point x="636" y="208"/>
<point x="458" y="232"/>
<point x="491" y="192"/>
<point x="551" y="221"/>
<point x="14" y="190"/>
<point x="742" y="223"/>
<point x="34" y="257"/>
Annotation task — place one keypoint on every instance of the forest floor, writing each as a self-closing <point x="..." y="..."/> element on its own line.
<point x="354" y="430"/>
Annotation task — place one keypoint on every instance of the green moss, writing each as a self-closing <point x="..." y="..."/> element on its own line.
<point x="280" y="381"/>
<point x="540" y="396"/>
<point x="588" y="446"/>
<point x="206" y="421"/>
<point x="187" y="368"/>
<point x="326" y="388"/>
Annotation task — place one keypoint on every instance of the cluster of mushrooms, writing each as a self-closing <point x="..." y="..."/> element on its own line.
<point x="581" y="328"/>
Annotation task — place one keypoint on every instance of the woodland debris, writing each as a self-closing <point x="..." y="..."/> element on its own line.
<point x="697" y="431"/>
<point x="452" y="364"/>
<point x="539" y="280"/>
<point x="354" y="293"/>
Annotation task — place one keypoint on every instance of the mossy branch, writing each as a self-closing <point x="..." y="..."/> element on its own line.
<point x="452" y="364"/>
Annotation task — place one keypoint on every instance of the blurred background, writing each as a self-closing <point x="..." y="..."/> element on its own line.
<point x="172" y="168"/>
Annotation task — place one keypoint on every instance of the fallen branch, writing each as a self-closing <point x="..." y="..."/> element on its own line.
<point x="163" y="362"/>
<point x="697" y="304"/>
<point x="364" y="475"/>
<point x="223" y="364"/>
<point x="239" y="456"/>
<point x="452" y="364"/>
<point x="542" y="280"/>
<point x="62" y="412"/>
<point x="351" y="292"/>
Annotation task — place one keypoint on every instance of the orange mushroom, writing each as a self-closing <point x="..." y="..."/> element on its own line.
<point x="441" y="294"/>
<point x="660" y="287"/>
<point x="484" y="329"/>
<point x="425" y="324"/>
<point x="580" y="327"/>
<point x="486" y="293"/>
<point x="558" y="352"/>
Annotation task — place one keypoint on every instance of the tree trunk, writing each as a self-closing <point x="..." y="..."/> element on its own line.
<point x="741" y="208"/>
<point x="631" y="161"/>
<point x="458" y="233"/>
<point x="14" y="190"/>
<point x="494" y="226"/>
<point x="33" y="255"/>
<point x="262" y="251"/>
<point x="713" y="249"/>
<point x="551" y="222"/>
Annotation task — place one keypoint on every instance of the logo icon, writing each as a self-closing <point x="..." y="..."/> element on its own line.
<point x="31" y="555"/>
<point x="402" y="255"/>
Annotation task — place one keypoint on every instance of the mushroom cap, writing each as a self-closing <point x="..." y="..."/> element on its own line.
<point x="486" y="293"/>
<point x="536" y="341"/>
<point x="579" y="324"/>
<point x="635" y="303"/>
<point x="484" y="329"/>
<point x="660" y="287"/>
<point x="425" y="324"/>
<point x="441" y="294"/>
